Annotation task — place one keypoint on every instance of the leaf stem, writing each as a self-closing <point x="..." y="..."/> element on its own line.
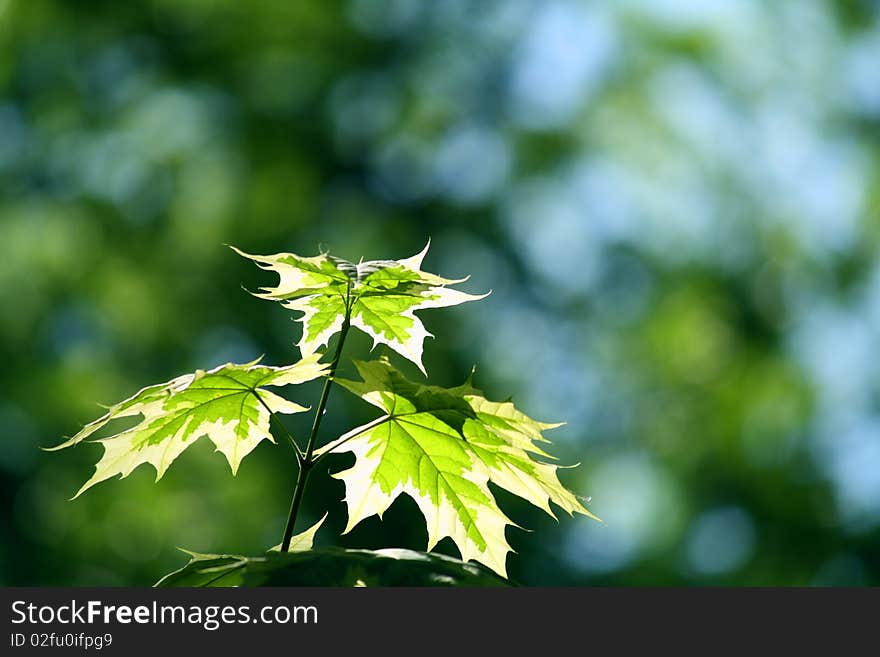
<point x="307" y="460"/>
<point x="274" y="416"/>
<point x="354" y="433"/>
<point x="300" y="456"/>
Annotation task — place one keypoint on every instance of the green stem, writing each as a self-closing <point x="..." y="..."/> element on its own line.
<point x="307" y="461"/>
<point x="354" y="433"/>
<point x="274" y="416"/>
<point x="278" y="422"/>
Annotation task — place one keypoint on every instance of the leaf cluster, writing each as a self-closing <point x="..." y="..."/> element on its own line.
<point x="440" y="446"/>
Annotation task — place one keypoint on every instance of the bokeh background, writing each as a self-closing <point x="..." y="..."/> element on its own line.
<point x="675" y="203"/>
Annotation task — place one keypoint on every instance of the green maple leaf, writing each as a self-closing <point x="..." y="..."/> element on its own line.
<point x="380" y="295"/>
<point x="330" y="567"/>
<point x="442" y="447"/>
<point x="228" y="404"/>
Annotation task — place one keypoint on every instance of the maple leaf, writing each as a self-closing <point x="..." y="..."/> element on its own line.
<point x="381" y="297"/>
<point x="228" y="404"/>
<point x="442" y="447"/>
<point x="331" y="566"/>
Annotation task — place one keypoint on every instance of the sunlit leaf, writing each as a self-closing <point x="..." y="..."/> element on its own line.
<point x="442" y="447"/>
<point x="383" y="296"/>
<point x="229" y="404"/>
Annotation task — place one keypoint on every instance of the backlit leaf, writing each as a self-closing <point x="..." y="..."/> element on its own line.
<point x="383" y="296"/>
<point x="442" y="447"/>
<point x="228" y="404"/>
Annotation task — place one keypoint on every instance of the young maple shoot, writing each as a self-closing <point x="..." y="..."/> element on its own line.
<point x="440" y="446"/>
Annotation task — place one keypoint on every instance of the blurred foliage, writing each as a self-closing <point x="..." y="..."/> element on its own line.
<point x="675" y="204"/>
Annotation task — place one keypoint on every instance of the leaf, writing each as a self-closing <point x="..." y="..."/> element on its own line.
<point x="227" y="403"/>
<point x="330" y="567"/>
<point x="383" y="297"/>
<point x="442" y="447"/>
<point x="303" y="541"/>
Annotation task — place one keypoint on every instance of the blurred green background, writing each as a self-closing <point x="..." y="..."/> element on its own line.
<point x="675" y="203"/>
